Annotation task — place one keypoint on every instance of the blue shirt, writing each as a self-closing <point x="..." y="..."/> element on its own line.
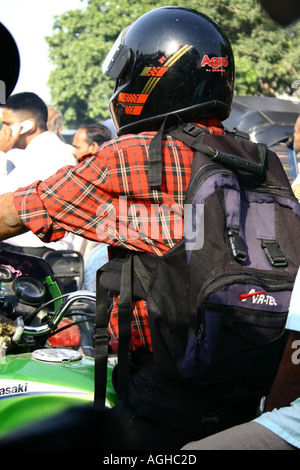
<point x="285" y="422"/>
<point x="293" y="319"/>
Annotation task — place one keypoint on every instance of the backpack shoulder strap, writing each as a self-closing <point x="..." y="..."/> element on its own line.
<point x="101" y="338"/>
<point x="192" y="136"/>
<point x="130" y="275"/>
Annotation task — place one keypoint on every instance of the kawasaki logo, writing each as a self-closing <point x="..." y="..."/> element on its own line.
<point x="10" y="388"/>
<point x="260" y="297"/>
<point x="14" y="389"/>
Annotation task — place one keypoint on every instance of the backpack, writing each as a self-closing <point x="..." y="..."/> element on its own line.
<point x="218" y="300"/>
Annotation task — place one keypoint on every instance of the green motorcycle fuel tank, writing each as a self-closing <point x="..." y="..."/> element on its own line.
<point x="37" y="380"/>
<point x="36" y="385"/>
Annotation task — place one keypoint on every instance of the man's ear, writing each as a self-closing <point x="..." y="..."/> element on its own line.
<point x="93" y="147"/>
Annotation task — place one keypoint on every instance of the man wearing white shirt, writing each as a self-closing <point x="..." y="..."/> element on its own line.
<point x="40" y="154"/>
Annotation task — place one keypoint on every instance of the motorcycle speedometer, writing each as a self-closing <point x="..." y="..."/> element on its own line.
<point x="29" y="290"/>
<point x="5" y="274"/>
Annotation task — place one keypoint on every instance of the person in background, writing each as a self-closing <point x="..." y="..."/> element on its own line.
<point x="296" y="183"/>
<point x="54" y="122"/>
<point x="86" y="141"/>
<point x="88" y="138"/>
<point x="7" y="157"/>
<point x="54" y="125"/>
<point x="39" y="154"/>
<point x="297" y="135"/>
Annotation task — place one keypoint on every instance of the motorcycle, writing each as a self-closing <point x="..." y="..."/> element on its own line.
<point x="43" y="369"/>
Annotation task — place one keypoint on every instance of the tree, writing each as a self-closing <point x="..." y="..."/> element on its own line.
<point x="266" y="55"/>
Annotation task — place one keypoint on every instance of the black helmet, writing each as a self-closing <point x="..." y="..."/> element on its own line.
<point x="170" y="60"/>
<point x="10" y="63"/>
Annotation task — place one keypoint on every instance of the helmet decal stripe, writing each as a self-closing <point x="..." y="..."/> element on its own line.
<point x="136" y="110"/>
<point x="133" y="98"/>
<point x="155" y="73"/>
<point x="150" y="85"/>
<point x="152" y="82"/>
<point x="183" y="50"/>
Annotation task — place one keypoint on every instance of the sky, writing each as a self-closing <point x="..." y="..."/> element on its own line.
<point x="29" y="21"/>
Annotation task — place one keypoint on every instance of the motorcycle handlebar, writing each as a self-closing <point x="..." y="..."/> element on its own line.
<point x="49" y="326"/>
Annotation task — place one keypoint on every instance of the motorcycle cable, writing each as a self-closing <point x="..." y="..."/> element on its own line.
<point x="51" y="324"/>
<point x="46" y="304"/>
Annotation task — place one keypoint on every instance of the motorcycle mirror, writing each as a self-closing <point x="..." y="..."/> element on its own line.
<point x="9" y="63"/>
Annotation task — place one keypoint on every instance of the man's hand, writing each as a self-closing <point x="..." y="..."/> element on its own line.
<point x="7" y="140"/>
<point x="10" y="222"/>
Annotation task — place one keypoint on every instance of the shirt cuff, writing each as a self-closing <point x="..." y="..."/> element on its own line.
<point x="33" y="214"/>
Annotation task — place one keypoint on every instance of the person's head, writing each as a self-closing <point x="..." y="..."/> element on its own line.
<point x="22" y="107"/>
<point x="172" y="60"/>
<point x="88" y="138"/>
<point x="54" y="123"/>
<point x="297" y="135"/>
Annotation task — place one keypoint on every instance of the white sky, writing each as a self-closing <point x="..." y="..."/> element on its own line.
<point x="29" y="21"/>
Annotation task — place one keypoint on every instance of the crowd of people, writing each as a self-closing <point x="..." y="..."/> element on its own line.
<point x="37" y="153"/>
<point x="46" y="194"/>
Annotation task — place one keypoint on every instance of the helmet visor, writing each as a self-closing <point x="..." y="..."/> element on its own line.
<point x="118" y="57"/>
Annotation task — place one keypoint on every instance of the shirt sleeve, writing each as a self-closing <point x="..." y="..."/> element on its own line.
<point x="34" y="215"/>
<point x="107" y="198"/>
<point x="67" y="201"/>
<point x="293" y="318"/>
<point x="285" y="422"/>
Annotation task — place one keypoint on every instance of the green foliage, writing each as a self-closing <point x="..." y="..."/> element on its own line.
<point x="266" y="55"/>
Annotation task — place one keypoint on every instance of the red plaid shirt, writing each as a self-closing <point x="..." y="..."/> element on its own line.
<point x="106" y="198"/>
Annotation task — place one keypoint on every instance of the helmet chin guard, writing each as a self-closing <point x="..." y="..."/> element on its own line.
<point x="170" y="60"/>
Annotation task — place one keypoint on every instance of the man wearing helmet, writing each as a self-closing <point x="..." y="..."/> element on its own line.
<point x="172" y="60"/>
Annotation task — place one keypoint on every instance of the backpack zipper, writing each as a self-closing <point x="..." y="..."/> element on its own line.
<point x="197" y="176"/>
